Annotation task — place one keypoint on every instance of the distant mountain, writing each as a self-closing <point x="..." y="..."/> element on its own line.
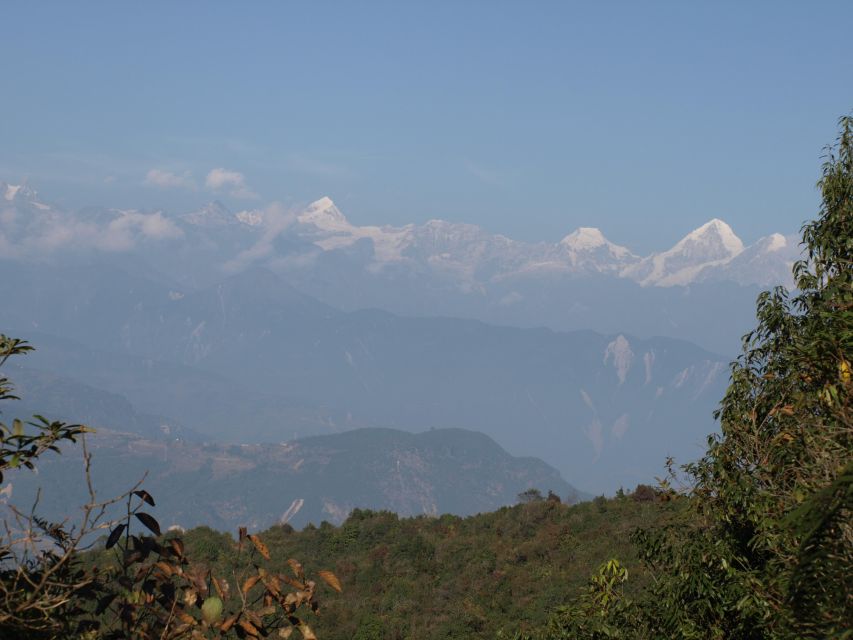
<point x="59" y="397"/>
<point x="771" y="256"/>
<point x="438" y="268"/>
<point x="250" y="359"/>
<point x="711" y="245"/>
<point x="311" y="480"/>
<point x="474" y="255"/>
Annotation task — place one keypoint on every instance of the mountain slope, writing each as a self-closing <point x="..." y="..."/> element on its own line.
<point x="251" y="360"/>
<point x="309" y="480"/>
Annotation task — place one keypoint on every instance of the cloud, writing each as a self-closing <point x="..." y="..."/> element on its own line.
<point x="235" y="182"/>
<point x="277" y="220"/>
<point x="155" y="226"/>
<point x="35" y="236"/>
<point x="168" y="180"/>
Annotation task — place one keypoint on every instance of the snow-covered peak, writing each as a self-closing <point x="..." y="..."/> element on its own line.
<point x="584" y="238"/>
<point x="589" y="240"/>
<point x="711" y="245"/>
<point x="767" y="262"/>
<point x="713" y="236"/>
<point x="323" y="214"/>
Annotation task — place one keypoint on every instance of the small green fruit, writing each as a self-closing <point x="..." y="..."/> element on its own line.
<point x="211" y="609"/>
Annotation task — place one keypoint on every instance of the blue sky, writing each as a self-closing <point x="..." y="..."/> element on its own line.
<point x="528" y="118"/>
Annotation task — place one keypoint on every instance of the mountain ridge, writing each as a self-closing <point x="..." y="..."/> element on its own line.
<point x="465" y="247"/>
<point x="306" y="480"/>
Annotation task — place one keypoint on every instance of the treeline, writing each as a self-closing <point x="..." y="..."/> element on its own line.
<point x="451" y="577"/>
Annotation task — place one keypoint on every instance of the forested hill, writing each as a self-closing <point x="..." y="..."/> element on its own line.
<point x="309" y="480"/>
<point x="451" y="577"/>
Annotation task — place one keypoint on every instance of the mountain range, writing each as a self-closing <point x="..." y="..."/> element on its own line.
<point x="438" y="268"/>
<point x="250" y="360"/>
<point x="272" y="325"/>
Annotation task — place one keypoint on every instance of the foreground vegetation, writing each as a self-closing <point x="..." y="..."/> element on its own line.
<point x="757" y="544"/>
<point x="452" y="577"/>
<point x="763" y="547"/>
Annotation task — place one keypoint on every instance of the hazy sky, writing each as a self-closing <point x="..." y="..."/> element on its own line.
<point x="529" y="118"/>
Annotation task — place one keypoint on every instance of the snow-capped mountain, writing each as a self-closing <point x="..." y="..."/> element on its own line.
<point x="767" y="262"/>
<point x="709" y="253"/>
<point x="711" y="245"/>
<point x="587" y="247"/>
<point x="436" y="268"/>
<point x="462" y="250"/>
<point x="465" y="252"/>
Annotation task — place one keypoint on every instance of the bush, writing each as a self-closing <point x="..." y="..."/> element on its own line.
<point x="644" y="493"/>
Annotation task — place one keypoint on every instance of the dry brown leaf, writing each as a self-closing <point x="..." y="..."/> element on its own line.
<point x="272" y="584"/>
<point x="177" y="546"/>
<point x="294" y="583"/>
<point x="331" y="579"/>
<point x="229" y="622"/>
<point x="260" y="546"/>
<point x="186" y="618"/>
<point x="218" y="586"/>
<point x="253" y="618"/>
<point x="306" y="632"/>
<point x="297" y="568"/>
<point x="251" y="581"/>
<point x="249" y="628"/>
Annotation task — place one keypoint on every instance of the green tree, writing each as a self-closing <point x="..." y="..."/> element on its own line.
<point x="765" y="548"/>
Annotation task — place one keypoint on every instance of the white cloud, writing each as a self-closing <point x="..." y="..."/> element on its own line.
<point x="169" y="180"/>
<point x="52" y="231"/>
<point x="277" y="220"/>
<point x="221" y="179"/>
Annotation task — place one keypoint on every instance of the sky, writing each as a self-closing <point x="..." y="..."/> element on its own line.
<point x="527" y="118"/>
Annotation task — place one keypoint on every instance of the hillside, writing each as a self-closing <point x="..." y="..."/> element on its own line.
<point x="450" y="577"/>
<point x="310" y="480"/>
<point x="252" y="360"/>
